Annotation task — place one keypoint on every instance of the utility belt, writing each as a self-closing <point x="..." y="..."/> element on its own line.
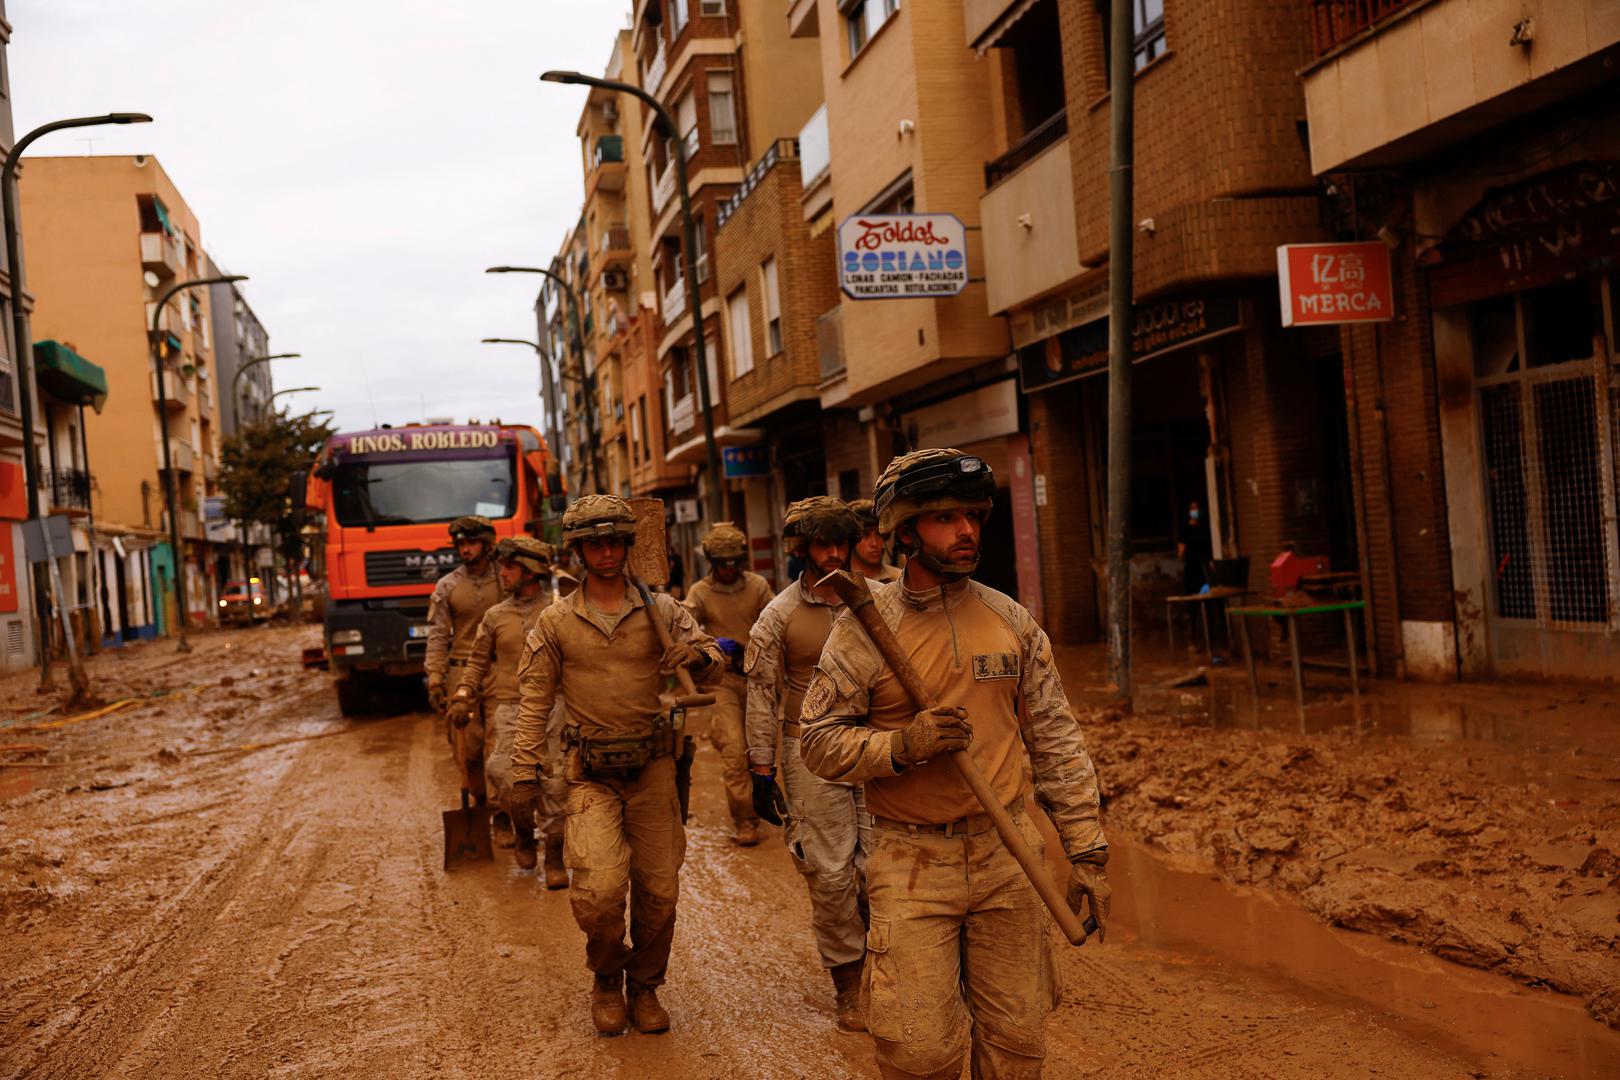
<point x="972" y="825"/>
<point x="458" y="663"/>
<point x="622" y="757"/>
<point x="791" y="728"/>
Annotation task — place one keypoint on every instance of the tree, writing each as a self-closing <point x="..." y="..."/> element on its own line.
<point x="256" y="464"/>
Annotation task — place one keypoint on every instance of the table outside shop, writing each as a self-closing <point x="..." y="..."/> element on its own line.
<point x="1291" y="615"/>
<point x="1201" y="600"/>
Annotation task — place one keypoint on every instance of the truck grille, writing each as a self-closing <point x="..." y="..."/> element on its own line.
<point x="408" y="567"/>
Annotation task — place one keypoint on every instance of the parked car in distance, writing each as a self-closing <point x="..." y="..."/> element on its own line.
<point x="243" y="603"/>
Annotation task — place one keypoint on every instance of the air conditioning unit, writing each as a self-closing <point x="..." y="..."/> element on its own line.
<point x="615" y="280"/>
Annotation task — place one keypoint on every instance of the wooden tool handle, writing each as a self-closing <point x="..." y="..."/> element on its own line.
<point x="853" y="591"/>
<point x="691" y="699"/>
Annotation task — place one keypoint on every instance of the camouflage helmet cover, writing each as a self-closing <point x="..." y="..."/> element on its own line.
<point x="863" y="509"/>
<point x="536" y="555"/>
<point x="820" y="517"/>
<point x="933" y="479"/>
<point x="598" y="515"/>
<point x="725" y="541"/>
<point x="472" y="527"/>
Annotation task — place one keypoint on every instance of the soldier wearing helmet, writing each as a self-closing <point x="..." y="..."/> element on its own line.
<point x="484" y="705"/>
<point x="599" y="648"/>
<point x="825" y="821"/>
<point x="958" y="952"/>
<point x="459" y="601"/>
<point x="866" y="556"/>
<point x="725" y="603"/>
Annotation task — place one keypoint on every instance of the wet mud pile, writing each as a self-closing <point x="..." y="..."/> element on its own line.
<point x="1430" y="846"/>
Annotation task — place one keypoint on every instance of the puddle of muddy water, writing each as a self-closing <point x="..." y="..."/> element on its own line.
<point x="1472" y="1014"/>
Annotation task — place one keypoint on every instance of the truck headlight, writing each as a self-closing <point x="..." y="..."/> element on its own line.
<point x="222" y="603"/>
<point x="345" y="637"/>
<point x="257" y="600"/>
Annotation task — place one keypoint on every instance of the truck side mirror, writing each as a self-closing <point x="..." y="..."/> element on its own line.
<point x="297" y="489"/>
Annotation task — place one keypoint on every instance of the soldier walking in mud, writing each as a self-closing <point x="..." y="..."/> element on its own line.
<point x="866" y="557"/>
<point x="484" y="705"/>
<point x="958" y="954"/>
<point x="825" y="820"/>
<point x="599" y="649"/>
<point x="458" y="603"/>
<point x="725" y="603"/>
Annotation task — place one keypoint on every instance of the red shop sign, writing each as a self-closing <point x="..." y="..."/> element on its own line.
<point x="1335" y="283"/>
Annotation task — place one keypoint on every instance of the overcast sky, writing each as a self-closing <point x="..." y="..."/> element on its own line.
<point x="362" y="161"/>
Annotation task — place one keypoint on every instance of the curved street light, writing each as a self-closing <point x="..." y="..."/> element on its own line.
<point x="23" y="353"/>
<point x="236" y="380"/>
<point x="694" y="302"/>
<point x="579" y="354"/>
<point x="292" y="390"/>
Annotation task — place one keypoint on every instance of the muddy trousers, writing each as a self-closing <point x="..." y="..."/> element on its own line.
<point x="726" y="732"/>
<point x="492" y="743"/>
<point x="959" y="957"/>
<point x="626" y="837"/>
<point x="827" y="834"/>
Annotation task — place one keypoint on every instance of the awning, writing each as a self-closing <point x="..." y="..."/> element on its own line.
<point x="163" y="215"/>
<point x="998" y="27"/>
<point x="69" y="376"/>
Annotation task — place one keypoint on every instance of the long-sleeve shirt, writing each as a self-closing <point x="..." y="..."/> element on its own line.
<point x="782" y="652"/>
<point x="604" y="664"/>
<point x="492" y="662"/>
<point x="458" y="603"/>
<point x="729" y="611"/>
<point x="972" y="647"/>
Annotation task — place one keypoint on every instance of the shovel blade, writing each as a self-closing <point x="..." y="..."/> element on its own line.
<point x="466" y="836"/>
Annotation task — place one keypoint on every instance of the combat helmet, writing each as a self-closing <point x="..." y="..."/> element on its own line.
<point x="471" y="527"/>
<point x="598" y="515"/>
<point x="935" y="479"/>
<point x="820" y="517"/>
<point x="865" y="511"/>
<point x="725" y="542"/>
<point x="526" y="551"/>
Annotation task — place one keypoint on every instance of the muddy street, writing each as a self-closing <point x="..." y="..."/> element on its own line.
<point x="231" y="880"/>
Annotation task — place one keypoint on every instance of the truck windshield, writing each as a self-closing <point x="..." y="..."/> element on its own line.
<point x="408" y="492"/>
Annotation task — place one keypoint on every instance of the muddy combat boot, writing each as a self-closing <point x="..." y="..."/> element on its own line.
<point x="607" y="1004"/>
<point x="524" y="850"/>
<point x="649" y="1017"/>
<point x="847" y="984"/>
<point x="500" y="823"/>
<point x="556" y="872"/>
<point x="746" y="832"/>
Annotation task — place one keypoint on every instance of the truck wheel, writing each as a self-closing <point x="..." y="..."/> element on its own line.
<point x="356" y="694"/>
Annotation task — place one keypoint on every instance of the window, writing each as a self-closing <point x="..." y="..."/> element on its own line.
<point x="773" y="307"/>
<point x="1147" y="19"/>
<point x="678" y="17"/>
<point x="722" y="110"/>
<point x="715" y="8"/>
<point x="741" y="334"/>
<point x="686" y="118"/>
<point x="641" y="424"/>
<point x="635" y="432"/>
<point x="864" y="18"/>
<point x="700" y="251"/>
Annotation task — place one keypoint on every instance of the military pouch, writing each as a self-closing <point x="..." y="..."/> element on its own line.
<point x="615" y="759"/>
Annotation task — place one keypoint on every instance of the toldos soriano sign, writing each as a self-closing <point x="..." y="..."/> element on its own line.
<point x="893" y="256"/>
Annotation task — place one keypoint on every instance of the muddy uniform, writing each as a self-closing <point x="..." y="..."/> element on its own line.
<point x="826" y="831"/>
<point x="491" y="672"/>
<point x="729" y="611"/>
<point x="958" y="936"/>
<point x="622" y="833"/>
<point x="459" y="602"/>
<point x="885" y="574"/>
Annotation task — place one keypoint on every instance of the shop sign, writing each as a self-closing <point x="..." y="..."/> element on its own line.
<point x="894" y="256"/>
<point x="986" y="413"/>
<point x="1325" y="284"/>
<point x="1156" y="329"/>
<point x="746" y="461"/>
<point x="1065" y="311"/>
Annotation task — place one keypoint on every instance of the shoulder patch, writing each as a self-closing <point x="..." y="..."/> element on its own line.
<point x="818" y="698"/>
<point x="988" y="666"/>
<point x="750" y="657"/>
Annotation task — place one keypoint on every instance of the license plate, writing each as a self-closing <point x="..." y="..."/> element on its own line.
<point x="419" y="631"/>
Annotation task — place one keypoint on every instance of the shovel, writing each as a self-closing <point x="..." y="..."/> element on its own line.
<point x="466" y="833"/>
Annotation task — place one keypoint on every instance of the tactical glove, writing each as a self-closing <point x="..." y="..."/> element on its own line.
<point x="931" y="733"/>
<point x="438" y="697"/>
<point x="769" y="803"/>
<point x="1088" y="883"/>
<point x="460" y="710"/>
<point x="526" y="797"/>
<point x="681" y="654"/>
<point x="733" y="650"/>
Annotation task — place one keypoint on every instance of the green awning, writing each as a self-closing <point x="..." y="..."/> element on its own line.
<point x="163" y="215"/>
<point x="69" y="376"/>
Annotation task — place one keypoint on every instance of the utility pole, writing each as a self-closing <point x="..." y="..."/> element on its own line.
<point x="1121" y="236"/>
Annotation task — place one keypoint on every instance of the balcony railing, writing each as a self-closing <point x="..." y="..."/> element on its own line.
<point x="181" y="453"/>
<point x="674" y="301"/>
<point x="655" y="71"/>
<point x="1025" y="150"/>
<point x="615" y="238"/>
<point x="174" y="389"/>
<point x="70" y="488"/>
<point x="830" y="342"/>
<point x="1336" y="22"/>
<point x="160" y="254"/>
<point x="681" y="416"/>
<point x="609" y="148"/>
<point x="663" y="188"/>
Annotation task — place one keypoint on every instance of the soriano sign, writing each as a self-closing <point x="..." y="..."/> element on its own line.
<point x="892" y="256"/>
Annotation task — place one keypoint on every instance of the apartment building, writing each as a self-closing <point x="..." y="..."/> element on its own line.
<point x="106" y="236"/>
<point x="1481" y="144"/>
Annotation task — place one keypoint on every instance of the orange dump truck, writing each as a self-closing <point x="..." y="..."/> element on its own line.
<point x="386" y="498"/>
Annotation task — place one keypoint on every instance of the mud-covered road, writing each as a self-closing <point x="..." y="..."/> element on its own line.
<point x="231" y="880"/>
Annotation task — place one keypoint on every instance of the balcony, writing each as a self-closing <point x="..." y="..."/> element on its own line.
<point x="160" y="254"/>
<point x="1028" y="148"/>
<point x="613" y="246"/>
<point x="181" y="453"/>
<point x="830" y="342"/>
<point x="1401" y="81"/>
<point x="1028" y="227"/>
<point x="70" y="489"/>
<point x="682" y="416"/>
<point x="174" y="388"/>
<point x="210" y="468"/>
<point x="607" y="165"/>
<point x="654" y="75"/>
<point x="205" y="402"/>
<point x="802" y="21"/>
<point x="673" y="302"/>
<point x="190" y="524"/>
<point x="663" y="189"/>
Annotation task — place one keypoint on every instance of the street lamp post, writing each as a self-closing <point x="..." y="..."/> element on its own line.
<point x="236" y="380"/>
<point x="292" y="390"/>
<point x="579" y="352"/>
<point x="21" y="347"/>
<point x="694" y="301"/>
<point x="540" y="354"/>
<point x="171" y="492"/>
